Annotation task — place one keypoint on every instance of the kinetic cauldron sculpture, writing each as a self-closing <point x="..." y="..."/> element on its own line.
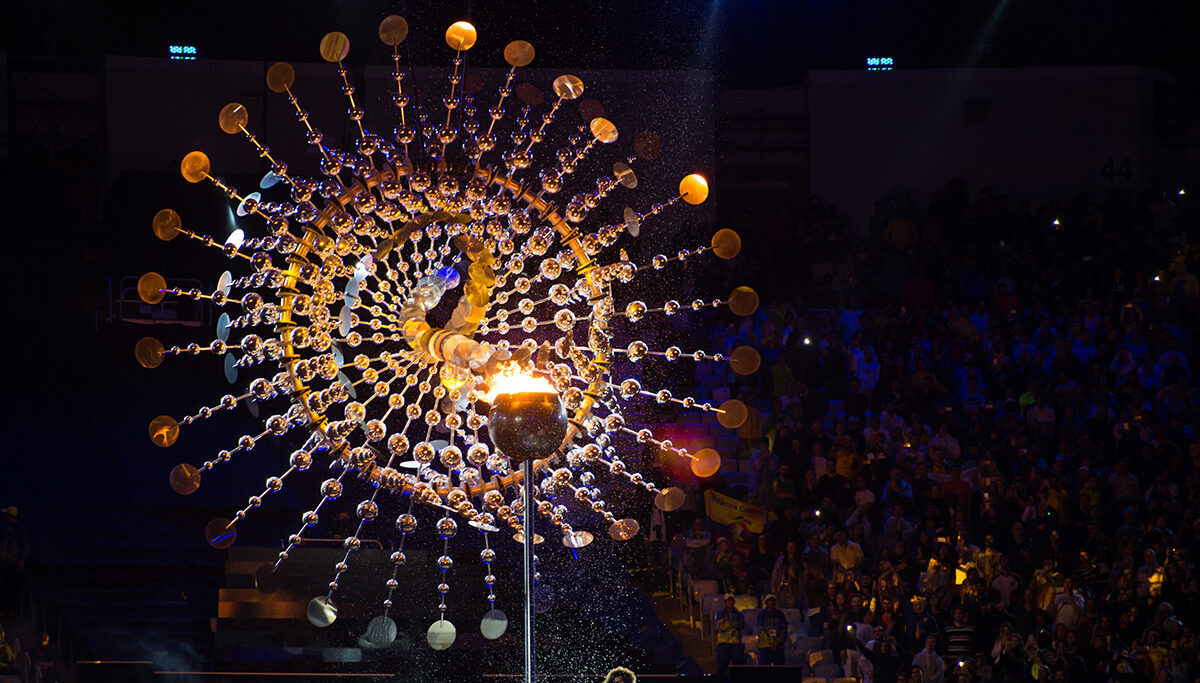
<point x="332" y="315"/>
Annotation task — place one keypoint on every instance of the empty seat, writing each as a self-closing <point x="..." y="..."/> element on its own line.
<point x="819" y="657"/>
<point x="745" y="602"/>
<point x="830" y="670"/>
<point x="702" y="587"/>
<point x="751" y="621"/>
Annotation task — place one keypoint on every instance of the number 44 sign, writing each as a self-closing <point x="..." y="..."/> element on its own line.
<point x="1116" y="169"/>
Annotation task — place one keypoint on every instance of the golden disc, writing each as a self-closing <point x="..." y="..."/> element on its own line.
<point x="745" y="360"/>
<point x="280" y="77"/>
<point x="461" y="35"/>
<point x="150" y="287"/>
<point x="590" y="109"/>
<point x="164" y="430"/>
<point x="706" y="463"/>
<point x="518" y="53"/>
<point x="233" y="117"/>
<point x="603" y="130"/>
<point x="393" y="30"/>
<point x="166" y="224"/>
<point x="568" y="87"/>
<point x="625" y="175"/>
<point x="185" y="479"/>
<point x="633" y="222"/>
<point x="195" y="167"/>
<point x="519" y="537"/>
<point x="670" y="499"/>
<point x="694" y="189"/>
<point x="733" y="414"/>
<point x="726" y="243"/>
<point x="743" y="301"/>
<point x="647" y="144"/>
<point x="529" y="94"/>
<point x="148" y="352"/>
<point x="335" y="46"/>
<point x="624" y="529"/>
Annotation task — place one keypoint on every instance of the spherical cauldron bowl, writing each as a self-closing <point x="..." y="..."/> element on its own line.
<point x="527" y="425"/>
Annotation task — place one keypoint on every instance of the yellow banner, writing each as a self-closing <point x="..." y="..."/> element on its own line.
<point x="723" y="509"/>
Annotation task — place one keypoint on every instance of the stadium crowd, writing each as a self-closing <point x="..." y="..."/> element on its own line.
<point x="978" y="442"/>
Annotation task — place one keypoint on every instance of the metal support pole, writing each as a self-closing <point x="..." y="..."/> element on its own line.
<point x="527" y="522"/>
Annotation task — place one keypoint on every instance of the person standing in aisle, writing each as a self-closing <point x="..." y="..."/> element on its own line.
<point x="730" y="624"/>
<point x="772" y="633"/>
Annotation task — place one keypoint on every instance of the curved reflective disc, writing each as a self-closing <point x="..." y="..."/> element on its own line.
<point x="252" y="406"/>
<point x="578" y="539"/>
<point x="624" y="529"/>
<point x="694" y="189"/>
<point x="461" y="35"/>
<point x="733" y="414"/>
<point x="267" y="578"/>
<point x="335" y="46"/>
<point x="392" y="31"/>
<point x="670" y="499"/>
<point x="726" y="243"/>
<point x="482" y="526"/>
<point x="706" y="463"/>
<point x="225" y="282"/>
<point x="268" y="181"/>
<point x="348" y="384"/>
<point x="519" y="537"/>
<point x="440" y="634"/>
<point x="568" y="87"/>
<point x="149" y="352"/>
<point x="410" y="465"/>
<point x="185" y="479"/>
<point x="233" y="118"/>
<point x="381" y="631"/>
<point x="494" y="624"/>
<point x="243" y="209"/>
<point x="344" y="321"/>
<point x="280" y="77"/>
<point x="625" y="175"/>
<point x="231" y="370"/>
<point x="385" y="247"/>
<point x="338" y="357"/>
<point x="633" y="224"/>
<point x="236" y="238"/>
<point x="164" y="430"/>
<point x="150" y="287"/>
<point x="518" y="53"/>
<point x="166" y="224"/>
<point x="745" y="360"/>
<point x="603" y="130"/>
<point x="743" y="301"/>
<point x="220" y="533"/>
<point x="223" y="323"/>
<point x="195" y="166"/>
<point x="321" y="611"/>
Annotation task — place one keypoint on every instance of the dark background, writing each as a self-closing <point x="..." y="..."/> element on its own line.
<point x="75" y="404"/>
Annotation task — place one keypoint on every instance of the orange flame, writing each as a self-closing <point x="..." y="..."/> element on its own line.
<point x="509" y="378"/>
